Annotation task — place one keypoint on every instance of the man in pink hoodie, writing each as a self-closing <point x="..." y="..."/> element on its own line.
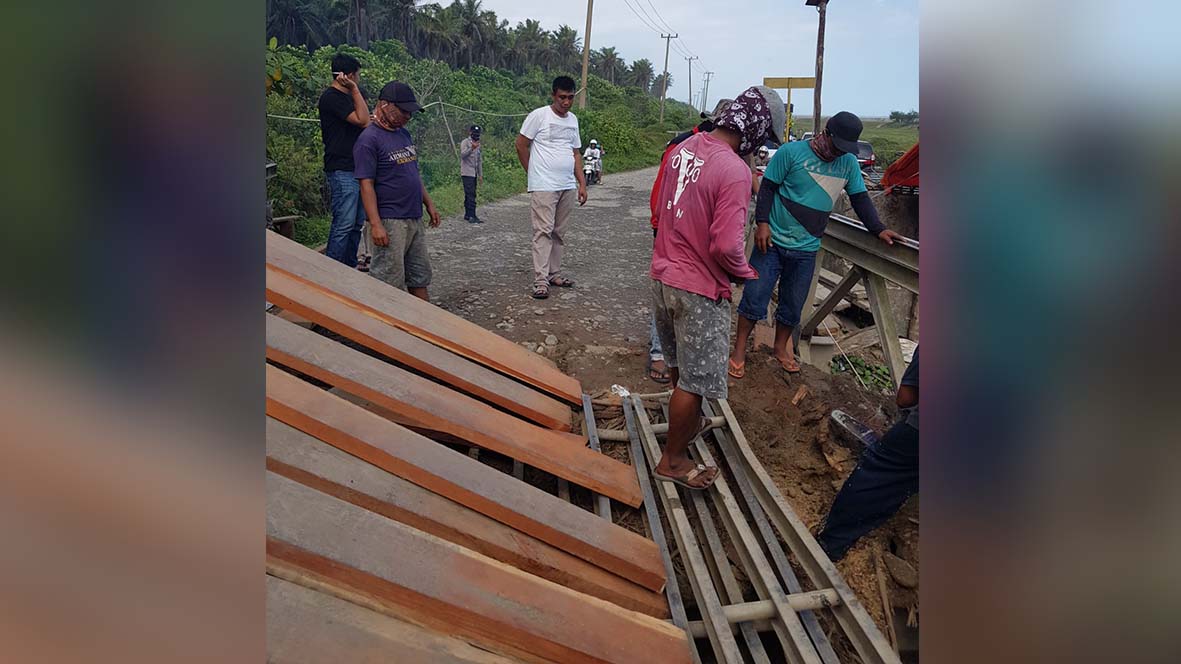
<point x="699" y="252"/>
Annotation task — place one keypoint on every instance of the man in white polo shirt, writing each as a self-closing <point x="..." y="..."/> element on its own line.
<point x="548" y="149"/>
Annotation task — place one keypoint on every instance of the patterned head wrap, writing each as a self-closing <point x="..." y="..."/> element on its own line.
<point x="750" y="116"/>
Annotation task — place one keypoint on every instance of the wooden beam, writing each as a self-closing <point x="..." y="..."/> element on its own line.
<point x="445" y="587"/>
<point x="440" y="409"/>
<point x="457" y="476"/>
<point x="406" y="349"/>
<point x="309" y="627"/>
<point x="708" y="602"/>
<point x="835" y="296"/>
<point x="314" y="463"/>
<point x="883" y="319"/>
<point x="852" y="617"/>
<point x="422" y="319"/>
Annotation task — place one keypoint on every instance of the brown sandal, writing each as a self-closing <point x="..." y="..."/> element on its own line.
<point x="737" y="369"/>
<point x="540" y="292"/>
<point x="686" y="480"/>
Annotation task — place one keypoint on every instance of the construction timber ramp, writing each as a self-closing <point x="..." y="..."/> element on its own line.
<point x="391" y="538"/>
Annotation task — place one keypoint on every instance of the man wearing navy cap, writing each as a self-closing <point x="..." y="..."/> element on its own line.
<point x="471" y="170"/>
<point x="386" y="163"/>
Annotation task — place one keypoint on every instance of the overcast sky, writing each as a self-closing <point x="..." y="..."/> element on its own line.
<point x="871" y="47"/>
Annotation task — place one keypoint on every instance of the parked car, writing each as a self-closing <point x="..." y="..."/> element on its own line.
<point x="865" y="156"/>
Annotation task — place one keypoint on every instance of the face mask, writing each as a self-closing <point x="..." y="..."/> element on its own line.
<point x="823" y="147"/>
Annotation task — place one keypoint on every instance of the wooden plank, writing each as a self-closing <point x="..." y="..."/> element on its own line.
<point x="441" y="409"/>
<point x="722" y="570"/>
<point x="720" y="637"/>
<point x="419" y="318"/>
<point x="446" y="587"/>
<point x="883" y="319"/>
<point x="602" y="503"/>
<point x="790" y="582"/>
<point x="314" y="463"/>
<point x="829" y="304"/>
<point x="831" y="279"/>
<point x="855" y="622"/>
<point x="309" y="627"/>
<point x="787" y="627"/>
<point x="407" y="349"/>
<point x="459" y="477"/>
<point x="672" y="591"/>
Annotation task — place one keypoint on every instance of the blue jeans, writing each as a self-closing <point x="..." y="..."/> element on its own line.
<point x="655" y="350"/>
<point x="886" y="475"/>
<point x="348" y="216"/>
<point x="792" y="270"/>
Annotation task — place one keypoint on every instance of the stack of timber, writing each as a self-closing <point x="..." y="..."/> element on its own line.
<point x="385" y="543"/>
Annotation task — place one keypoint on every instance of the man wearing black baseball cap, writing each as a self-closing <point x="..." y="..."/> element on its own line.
<point x="799" y="188"/>
<point x="392" y="191"/>
<point x="471" y="171"/>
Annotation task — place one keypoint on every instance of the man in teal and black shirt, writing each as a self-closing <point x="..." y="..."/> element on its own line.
<point x="797" y="194"/>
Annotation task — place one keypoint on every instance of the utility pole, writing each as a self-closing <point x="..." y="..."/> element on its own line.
<point x="705" y="93"/>
<point x="689" y="83"/>
<point x="590" y="5"/>
<point x="664" y="85"/>
<point x="821" y="6"/>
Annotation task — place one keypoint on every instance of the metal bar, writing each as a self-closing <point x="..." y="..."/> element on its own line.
<point x="837" y="294"/>
<point x="788" y="627"/>
<point x="725" y="574"/>
<point x="902" y="275"/>
<point x="658" y="428"/>
<point x="850" y="221"/>
<point x="602" y="503"/>
<point x="724" y="645"/>
<point x="855" y="622"/>
<point x="883" y="319"/>
<point x="518" y="470"/>
<point x="786" y="573"/>
<point x="672" y="591"/>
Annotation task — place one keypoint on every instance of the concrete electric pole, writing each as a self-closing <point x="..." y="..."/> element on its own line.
<point x="689" y="83"/>
<point x="821" y="6"/>
<point x="590" y="6"/>
<point x="705" y="92"/>
<point x="664" y="84"/>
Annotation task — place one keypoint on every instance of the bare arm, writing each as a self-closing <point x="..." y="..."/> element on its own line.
<point x="430" y="207"/>
<point x="580" y="177"/>
<point x="369" y="201"/>
<point x="360" y="114"/>
<point x="523" y="145"/>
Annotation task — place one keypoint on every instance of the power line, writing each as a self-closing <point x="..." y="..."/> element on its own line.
<point x="646" y="23"/>
<point x="659" y="16"/>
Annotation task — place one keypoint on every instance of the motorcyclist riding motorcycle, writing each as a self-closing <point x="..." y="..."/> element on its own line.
<point x="592" y="160"/>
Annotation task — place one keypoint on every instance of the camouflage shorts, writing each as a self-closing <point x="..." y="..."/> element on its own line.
<point x="695" y="334"/>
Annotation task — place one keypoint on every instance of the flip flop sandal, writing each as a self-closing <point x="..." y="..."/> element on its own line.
<point x="788" y="369"/>
<point x="661" y="377"/>
<point x="562" y="282"/>
<point x="540" y="292"/>
<point x="686" y="479"/>
<point x="737" y="369"/>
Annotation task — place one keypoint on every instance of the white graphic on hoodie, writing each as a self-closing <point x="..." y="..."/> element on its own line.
<point x="688" y="168"/>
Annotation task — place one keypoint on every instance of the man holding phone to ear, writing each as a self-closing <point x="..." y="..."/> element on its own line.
<point x="393" y="193"/>
<point x="343" y="115"/>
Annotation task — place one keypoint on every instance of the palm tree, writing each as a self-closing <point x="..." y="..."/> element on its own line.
<point x="567" y="48"/>
<point x="641" y="74"/>
<point x="301" y="22"/>
<point x="658" y="84"/>
<point x="610" y="63"/>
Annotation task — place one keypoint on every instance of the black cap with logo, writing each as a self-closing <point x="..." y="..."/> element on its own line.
<point x="845" y="129"/>
<point x="399" y="94"/>
<point x="475" y="130"/>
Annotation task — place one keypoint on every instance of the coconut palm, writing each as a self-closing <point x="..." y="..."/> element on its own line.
<point x="641" y="74"/>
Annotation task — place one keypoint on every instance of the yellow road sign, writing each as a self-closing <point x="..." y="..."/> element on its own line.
<point x="789" y="82"/>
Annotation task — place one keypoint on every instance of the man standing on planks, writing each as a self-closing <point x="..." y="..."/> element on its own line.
<point x="547" y="147"/>
<point x="798" y="191"/>
<point x="343" y="115"/>
<point x="703" y="204"/>
<point x="886" y="475"/>
<point x="471" y="171"/>
<point x="386" y="164"/>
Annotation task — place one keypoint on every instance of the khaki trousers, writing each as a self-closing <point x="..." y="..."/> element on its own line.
<point x="550" y="211"/>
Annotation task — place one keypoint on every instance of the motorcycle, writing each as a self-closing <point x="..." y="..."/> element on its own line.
<point x="591" y="168"/>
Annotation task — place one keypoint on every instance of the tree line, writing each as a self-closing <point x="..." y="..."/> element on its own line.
<point x="462" y="34"/>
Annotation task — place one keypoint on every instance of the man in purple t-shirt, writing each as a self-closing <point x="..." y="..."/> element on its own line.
<point x="386" y="163"/>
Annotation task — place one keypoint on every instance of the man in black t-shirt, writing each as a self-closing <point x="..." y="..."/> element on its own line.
<point x="343" y="114"/>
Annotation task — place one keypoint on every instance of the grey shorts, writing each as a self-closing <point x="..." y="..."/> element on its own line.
<point x="404" y="262"/>
<point x="694" y="332"/>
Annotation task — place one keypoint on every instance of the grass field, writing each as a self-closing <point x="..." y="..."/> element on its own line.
<point x="889" y="140"/>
